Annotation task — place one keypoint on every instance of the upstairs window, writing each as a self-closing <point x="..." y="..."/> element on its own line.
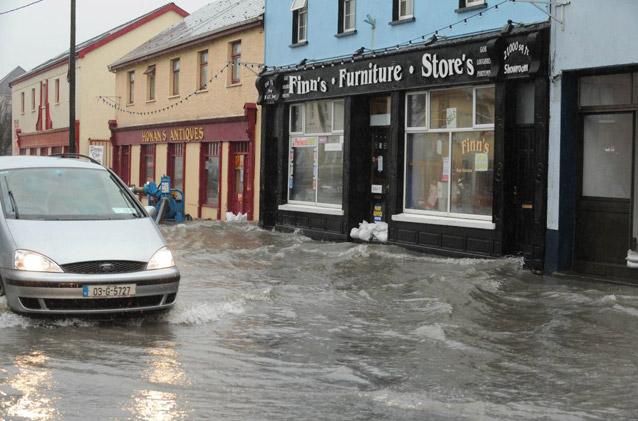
<point x="299" y="10"/>
<point x="235" y="60"/>
<point x="203" y="70"/>
<point x="346" y="16"/>
<point x="131" y="87"/>
<point x="150" y="83"/>
<point x="175" y="67"/>
<point x="57" y="91"/>
<point x="470" y="3"/>
<point x="22" y="102"/>
<point x="32" y="99"/>
<point x="402" y="9"/>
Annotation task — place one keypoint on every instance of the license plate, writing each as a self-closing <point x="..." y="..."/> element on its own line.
<point x="108" y="291"/>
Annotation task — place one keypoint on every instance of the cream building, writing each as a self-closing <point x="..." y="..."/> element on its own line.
<point x="185" y="104"/>
<point x="40" y="97"/>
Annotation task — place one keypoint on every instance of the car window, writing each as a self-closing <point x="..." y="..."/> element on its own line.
<point x="65" y="194"/>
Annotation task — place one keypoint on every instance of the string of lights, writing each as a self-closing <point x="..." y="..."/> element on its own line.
<point x="109" y="101"/>
<point x="424" y="39"/>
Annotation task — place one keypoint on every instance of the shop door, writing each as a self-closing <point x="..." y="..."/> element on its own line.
<point x="378" y="173"/>
<point x="603" y="210"/>
<point x="522" y="150"/>
<point x="237" y="178"/>
<point x="380" y="119"/>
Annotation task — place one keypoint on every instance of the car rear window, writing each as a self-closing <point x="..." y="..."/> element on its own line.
<point x="65" y="194"/>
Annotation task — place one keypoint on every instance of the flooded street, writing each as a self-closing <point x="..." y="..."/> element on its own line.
<point x="277" y="326"/>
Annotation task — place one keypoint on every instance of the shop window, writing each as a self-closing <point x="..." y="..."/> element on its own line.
<point x="56" y="150"/>
<point x="605" y="90"/>
<point x="318" y="117"/>
<point x="44" y="151"/>
<point x="209" y="176"/>
<point x="57" y="91"/>
<point x="402" y="9"/>
<point x="32" y="99"/>
<point x="315" y="163"/>
<point x="607" y="155"/>
<point x="525" y="102"/>
<point x="235" y="62"/>
<point x="202" y="58"/>
<point x="449" y="156"/>
<point x="176" y="165"/>
<point x="23" y="151"/>
<point x="175" y="68"/>
<point x="346" y="16"/>
<point x="380" y="111"/>
<point x="484" y="106"/>
<point x="131" y="87"/>
<point x="150" y="82"/>
<point x="122" y="162"/>
<point x="299" y="10"/>
<point x="22" y="102"/>
<point x="147" y="164"/>
<point x="451" y="108"/>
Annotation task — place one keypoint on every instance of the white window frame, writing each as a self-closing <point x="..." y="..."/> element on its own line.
<point x="316" y="206"/>
<point x="302" y="16"/>
<point x="353" y="16"/>
<point x="409" y="6"/>
<point x="444" y="216"/>
<point x="472" y="3"/>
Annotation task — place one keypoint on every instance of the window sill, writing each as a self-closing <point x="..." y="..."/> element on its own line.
<point x="201" y="91"/>
<point x="174" y="96"/>
<point x="311" y="209"/>
<point x="234" y="85"/>
<point x="402" y="21"/>
<point x="444" y="220"/>
<point x="208" y="206"/>
<point x="346" y="33"/>
<point x="130" y="104"/>
<point x="298" y="44"/>
<point x="150" y="101"/>
<point x="471" y="8"/>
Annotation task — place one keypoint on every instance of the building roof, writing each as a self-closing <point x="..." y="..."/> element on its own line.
<point x="5" y="89"/>
<point x="214" y="19"/>
<point x="83" y="48"/>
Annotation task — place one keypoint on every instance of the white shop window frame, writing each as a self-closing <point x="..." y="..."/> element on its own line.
<point x="303" y="206"/>
<point x="444" y="218"/>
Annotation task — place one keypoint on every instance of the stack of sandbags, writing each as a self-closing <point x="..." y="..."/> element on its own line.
<point x="240" y="217"/>
<point x="366" y="232"/>
<point x="632" y="259"/>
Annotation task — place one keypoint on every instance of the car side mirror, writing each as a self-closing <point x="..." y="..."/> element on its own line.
<point x="152" y="212"/>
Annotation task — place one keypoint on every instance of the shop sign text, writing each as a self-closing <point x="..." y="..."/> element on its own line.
<point x="178" y="134"/>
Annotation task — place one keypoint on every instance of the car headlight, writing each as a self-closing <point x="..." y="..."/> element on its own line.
<point x="162" y="259"/>
<point x="34" y="262"/>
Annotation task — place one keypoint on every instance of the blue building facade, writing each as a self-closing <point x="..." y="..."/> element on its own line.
<point x="428" y="119"/>
<point x="375" y="27"/>
<point x="593" y="171"/>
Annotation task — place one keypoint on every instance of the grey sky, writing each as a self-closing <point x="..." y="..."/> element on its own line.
<point x="32" y="35"/>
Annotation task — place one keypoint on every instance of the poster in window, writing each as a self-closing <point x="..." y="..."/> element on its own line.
<point x="481" y="162"/>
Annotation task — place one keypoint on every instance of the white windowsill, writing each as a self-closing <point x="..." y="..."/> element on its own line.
<point x="311" y="209"/>
<point x="443" y="220"/>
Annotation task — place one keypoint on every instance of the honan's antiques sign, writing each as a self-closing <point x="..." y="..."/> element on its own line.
<point x="420" y="67"/>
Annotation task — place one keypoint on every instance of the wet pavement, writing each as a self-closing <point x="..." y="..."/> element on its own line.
<point x="276" y="326"/>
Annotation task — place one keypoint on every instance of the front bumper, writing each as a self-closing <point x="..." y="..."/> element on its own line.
<point x="61" y="293"/>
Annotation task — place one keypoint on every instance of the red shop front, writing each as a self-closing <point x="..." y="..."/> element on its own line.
<point x="211" y="160"/>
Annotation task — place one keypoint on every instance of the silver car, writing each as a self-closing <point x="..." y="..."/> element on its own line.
<point x="75" y="240"/>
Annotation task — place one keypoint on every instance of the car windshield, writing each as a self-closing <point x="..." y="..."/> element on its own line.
<point x="65" y="194"/>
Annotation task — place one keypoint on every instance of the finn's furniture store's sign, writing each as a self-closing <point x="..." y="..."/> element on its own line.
<point x="418" y="67"/>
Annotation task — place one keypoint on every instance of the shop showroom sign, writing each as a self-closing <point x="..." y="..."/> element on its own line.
<point x="177" y="134"/>
<point x="476" y="62"/>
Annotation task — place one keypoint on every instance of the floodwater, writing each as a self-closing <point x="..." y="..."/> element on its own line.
<point x="272" y="326"/>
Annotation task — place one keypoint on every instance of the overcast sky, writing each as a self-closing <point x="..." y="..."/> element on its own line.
<point x="32" y="35"/>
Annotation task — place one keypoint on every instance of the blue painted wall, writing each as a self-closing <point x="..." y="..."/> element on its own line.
<point x="429" y="16"/>
<point x="595" y="34"/>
